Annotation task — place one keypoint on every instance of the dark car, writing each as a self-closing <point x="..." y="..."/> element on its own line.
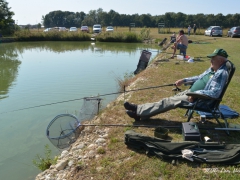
<point x="85" y="29"/>
<point x="234" y="32"/>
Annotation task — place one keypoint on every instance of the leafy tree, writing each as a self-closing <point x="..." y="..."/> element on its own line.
<point x="228" y="20"/>
<point x="210" y="19"/>
<point x="200" y="19"/>
<point x="114" y="18"/>
<point x="145" y="20"/>
<point x="219" y="19"/>
<point x="79" y="17"/>
<point x="6" y="21"/>
<point x="171" y="19"/>
<point x="190" y="20"/>
<point x="236" y="19"/>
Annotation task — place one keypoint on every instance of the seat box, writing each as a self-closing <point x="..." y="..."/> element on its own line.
<point x="190" y="131"/>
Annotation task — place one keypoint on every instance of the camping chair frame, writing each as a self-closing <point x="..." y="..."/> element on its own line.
<point x="213" y="107"/>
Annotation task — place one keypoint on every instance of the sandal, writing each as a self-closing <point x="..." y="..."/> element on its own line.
<point x="172" y="57"/>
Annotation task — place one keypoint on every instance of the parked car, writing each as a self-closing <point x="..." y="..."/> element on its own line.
<point x="85" y="29"/>
<point x="47" y="30"/>
<point x="234" y="32"/>
<point x="62" y="29"/>
<point x="97" y="28"/>
<point x="213" y="31"/>
<point x="109" y="29"/>
<point x="73" y="29"/>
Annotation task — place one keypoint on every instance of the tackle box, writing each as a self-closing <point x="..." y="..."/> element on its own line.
<point x="190" y="131"/>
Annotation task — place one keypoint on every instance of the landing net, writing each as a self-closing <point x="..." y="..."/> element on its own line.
<point x="64" y="129"/>
<point x="90" y="108"/>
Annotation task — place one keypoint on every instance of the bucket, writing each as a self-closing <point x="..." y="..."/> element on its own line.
<point x="161" y="132"/>
<point x="180" y="57"/>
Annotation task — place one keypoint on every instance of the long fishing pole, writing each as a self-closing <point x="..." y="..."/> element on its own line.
<point x="120" y="92"/>
<point x="156" y="126"/>
<point x="129" y="125"/>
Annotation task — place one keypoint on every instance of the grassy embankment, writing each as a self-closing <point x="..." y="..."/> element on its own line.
<point x="39" y="35"/>
<point x="119" y="162"/>
<point x="121" y="34"/>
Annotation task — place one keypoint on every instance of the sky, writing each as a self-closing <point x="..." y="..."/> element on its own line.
<point x="31" y="11"/>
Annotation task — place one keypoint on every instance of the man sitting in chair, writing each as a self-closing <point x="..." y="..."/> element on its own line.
<point x="181" y="43"/>
<point x="210" y="83"/>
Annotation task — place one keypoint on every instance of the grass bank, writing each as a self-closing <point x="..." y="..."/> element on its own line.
<point x="120" y="34"/>
<point x="117" y="36"/>
<point x="118" y="162"/>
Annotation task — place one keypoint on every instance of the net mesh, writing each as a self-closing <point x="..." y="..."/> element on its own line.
<point x="64" y="129"/>
<point x="90" y="108"/>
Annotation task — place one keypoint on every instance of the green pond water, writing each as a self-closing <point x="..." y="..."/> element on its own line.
<point x="40" y="73"/>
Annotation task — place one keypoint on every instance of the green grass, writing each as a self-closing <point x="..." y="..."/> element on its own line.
<point x="120" y="34"/>
<point x="44" y="162"/>
<point x="119" y="162"/>
<point x="25" y="35"/>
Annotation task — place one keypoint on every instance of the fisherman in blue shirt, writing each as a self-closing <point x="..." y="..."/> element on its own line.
<point x="210" y="83"/>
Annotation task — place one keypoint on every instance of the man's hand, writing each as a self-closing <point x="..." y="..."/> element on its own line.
<point x="190" y="99"/>
<point x="179" y="82"/>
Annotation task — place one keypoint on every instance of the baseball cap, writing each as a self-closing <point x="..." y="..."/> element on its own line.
<point x="219" y="52"/>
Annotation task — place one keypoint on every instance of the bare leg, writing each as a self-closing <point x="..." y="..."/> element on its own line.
<point x="174" y="49"/>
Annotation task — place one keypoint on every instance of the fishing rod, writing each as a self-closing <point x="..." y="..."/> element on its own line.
<point x="157" y="126"/>
<point x="128" y="125"/>
<point x="149" y="50"/>
<point x="120" y="92"/>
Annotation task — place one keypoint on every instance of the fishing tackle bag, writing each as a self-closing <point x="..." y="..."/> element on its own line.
<point x="201" y="152"/>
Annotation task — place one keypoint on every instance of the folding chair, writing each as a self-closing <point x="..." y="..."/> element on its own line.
<point x="208" y="104"/>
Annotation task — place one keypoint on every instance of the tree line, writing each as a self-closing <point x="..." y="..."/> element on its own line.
<point x="77" y="19"/>
<point x="7" y="24"/>
<point x="170" y="19"/>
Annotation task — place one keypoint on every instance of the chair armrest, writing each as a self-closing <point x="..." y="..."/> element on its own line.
<point x="201" y="96"/>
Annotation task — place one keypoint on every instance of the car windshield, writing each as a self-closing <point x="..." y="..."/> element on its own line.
<point x="109" y="27"/>
<point x="97" y="26"/>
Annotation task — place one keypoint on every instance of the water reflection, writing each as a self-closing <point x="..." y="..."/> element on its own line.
<point x="9" y="65"/>
<point x="73" y="46"/>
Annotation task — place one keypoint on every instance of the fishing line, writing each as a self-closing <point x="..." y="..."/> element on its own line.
<point x="120" y="92"/>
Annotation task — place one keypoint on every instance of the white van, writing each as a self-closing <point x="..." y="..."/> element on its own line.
<point x="97" y="28"/>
